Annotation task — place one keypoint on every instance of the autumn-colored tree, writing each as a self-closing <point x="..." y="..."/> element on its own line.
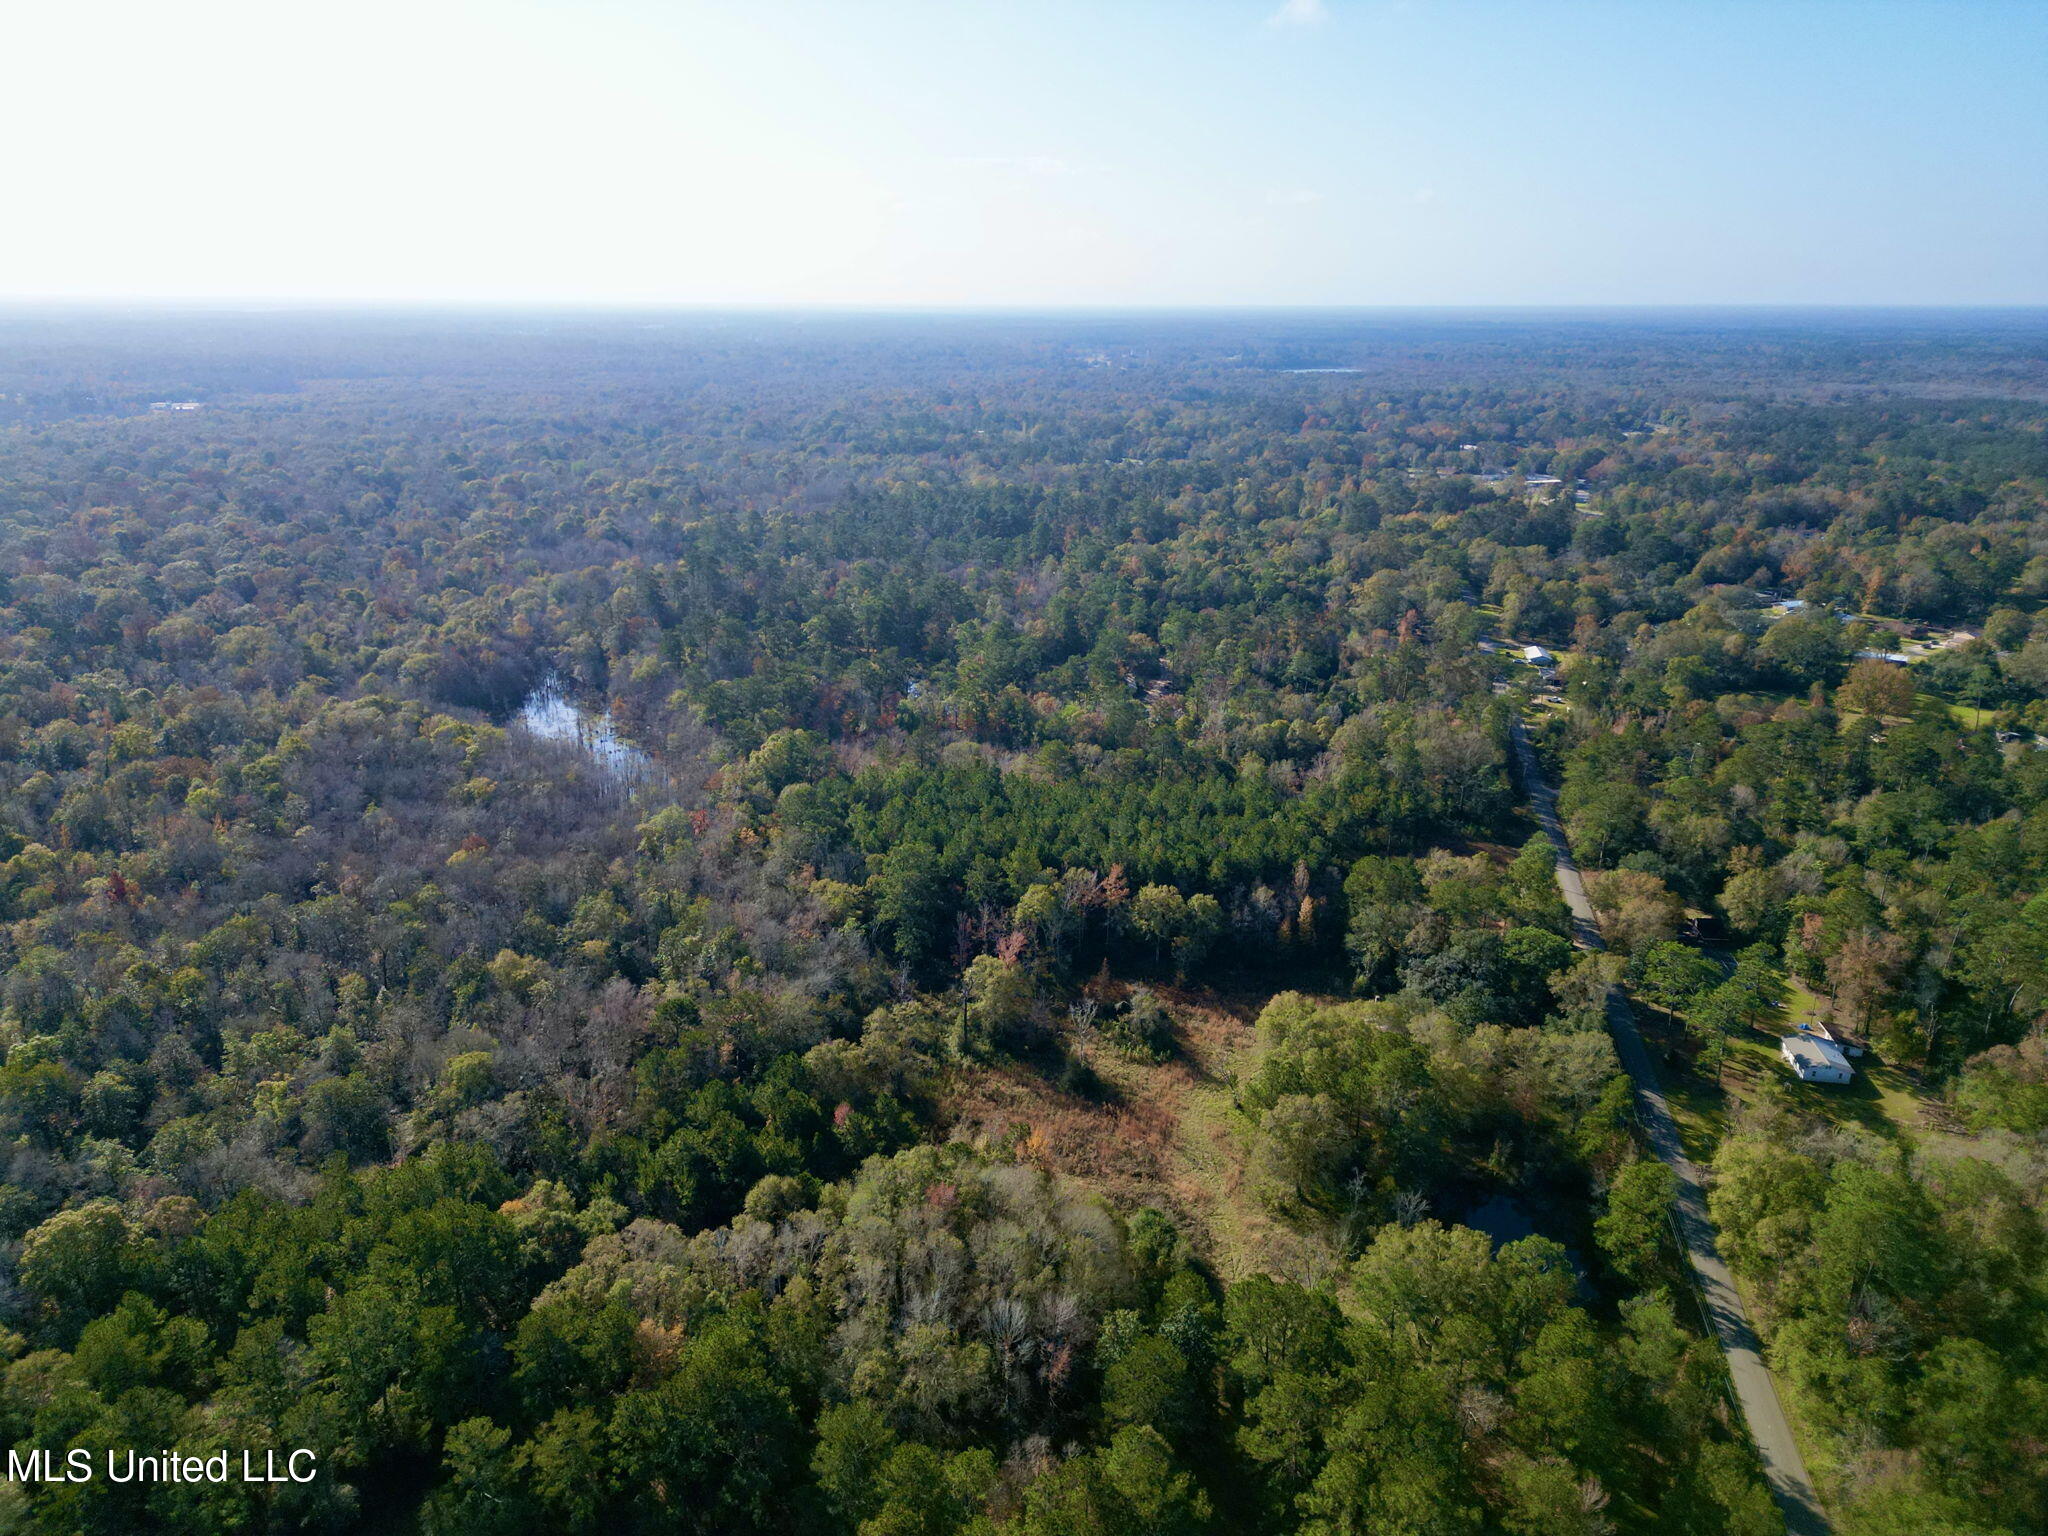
<point x="1877" y="688"/>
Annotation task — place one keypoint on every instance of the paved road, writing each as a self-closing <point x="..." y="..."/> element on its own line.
<point x="1754" y="1389"/>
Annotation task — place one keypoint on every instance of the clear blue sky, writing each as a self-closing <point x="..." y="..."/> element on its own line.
<point x="1030" y="153"/>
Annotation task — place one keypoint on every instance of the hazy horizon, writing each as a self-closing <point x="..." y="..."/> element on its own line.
<point x="158" y="304"/>
<point x="1234" y="155"/>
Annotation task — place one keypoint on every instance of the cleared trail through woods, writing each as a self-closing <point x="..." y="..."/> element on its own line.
<point x="1755" y="1392"/>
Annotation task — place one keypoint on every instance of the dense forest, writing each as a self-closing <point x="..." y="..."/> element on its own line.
<point x="551" y="1144"/>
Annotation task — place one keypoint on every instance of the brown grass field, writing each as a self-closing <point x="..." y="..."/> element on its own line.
<point x="1167" y="1135"/>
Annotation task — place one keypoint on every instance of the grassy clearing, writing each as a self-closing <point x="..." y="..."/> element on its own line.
<point x="1703" y="1107"/>
<point x="1881" y="1099"/>
<point x="1167" y="1134"/>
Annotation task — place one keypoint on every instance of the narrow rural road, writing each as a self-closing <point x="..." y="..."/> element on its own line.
<point x="1755" y="1392"/>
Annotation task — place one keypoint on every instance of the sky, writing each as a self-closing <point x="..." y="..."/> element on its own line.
<point x="1028" y="154"/>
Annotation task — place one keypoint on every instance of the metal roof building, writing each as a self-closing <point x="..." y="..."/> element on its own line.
<point x="1815" y="1061"/>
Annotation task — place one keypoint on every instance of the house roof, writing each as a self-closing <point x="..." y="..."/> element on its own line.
<point x="1814" y="1053"/>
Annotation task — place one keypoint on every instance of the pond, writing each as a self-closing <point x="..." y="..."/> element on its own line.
<point x="549" y="714"/>
<point x="1507" y="1220"/>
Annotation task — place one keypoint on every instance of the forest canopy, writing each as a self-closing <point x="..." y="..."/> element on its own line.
<point x="553" y="1147"/>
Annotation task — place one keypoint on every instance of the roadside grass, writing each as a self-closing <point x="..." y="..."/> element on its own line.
<point x="1820" y="1445"/>
<point x="1702" y="1107"/>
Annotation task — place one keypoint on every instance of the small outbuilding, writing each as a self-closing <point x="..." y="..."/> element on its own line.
<point x="1536" y="656"/>
<point x="1815" y="1061"/>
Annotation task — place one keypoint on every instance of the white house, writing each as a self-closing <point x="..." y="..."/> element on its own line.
<point x="1815" y="1061"/>
<point x="1536" y="656"/>
<point x="1820" y="1031"/>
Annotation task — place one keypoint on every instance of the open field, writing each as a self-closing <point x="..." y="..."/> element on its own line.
<point x="1165" y="1134"/>
<point x="1883" y="1099"/>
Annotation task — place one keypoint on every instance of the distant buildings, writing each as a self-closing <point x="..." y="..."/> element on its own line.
<point x="1536" y="656"/>
<point x="176" y="405"/>
<point x="1777" y="606"/>
<point x="1896" y="658"/>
